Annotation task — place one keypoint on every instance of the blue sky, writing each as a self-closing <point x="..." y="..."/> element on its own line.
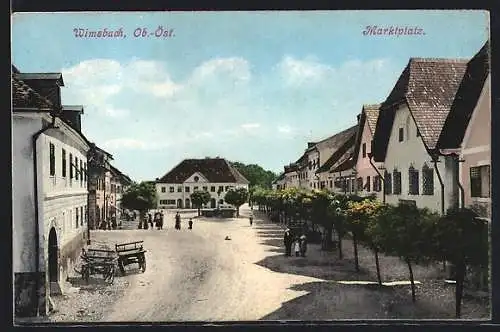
<point x="253" y="87"/>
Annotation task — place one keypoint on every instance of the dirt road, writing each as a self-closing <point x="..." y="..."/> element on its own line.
<point x="197" y="275"/>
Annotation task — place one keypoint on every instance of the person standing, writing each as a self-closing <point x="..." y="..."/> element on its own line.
<point x="162" y="218"/>
<point x="303" y="245"/>
<point x="297" y="247"/>
<point x="288" y="242"/>
<point x="177" y="221"/>
<point x="190" y="223"/>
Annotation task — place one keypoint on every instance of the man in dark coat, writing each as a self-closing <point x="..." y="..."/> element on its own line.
<point x="288" y="239"/>
<point x="178" y="221"/>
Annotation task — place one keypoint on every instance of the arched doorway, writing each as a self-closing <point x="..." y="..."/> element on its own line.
<point x="179" y="203"/>
<point x="188" y="203"/>
<point x="53" y="256"/>
<point x="212" y="203"/>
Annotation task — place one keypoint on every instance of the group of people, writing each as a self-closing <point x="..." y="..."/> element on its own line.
<point x="156" y="221"/>
<point x="299" y="244"/>
<point x="178" y="222"/>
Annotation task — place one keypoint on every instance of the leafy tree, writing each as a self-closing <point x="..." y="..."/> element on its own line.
<point x="141" y="197"/>
<point x="236" y="197"/>
<point x="255" y="174"/>
<point x="200" y="198"/>
<point x="405" y="231"/>
<point x="462" y="238"/>
<point x="364" y="218"/>
<point x="337" y="210"/>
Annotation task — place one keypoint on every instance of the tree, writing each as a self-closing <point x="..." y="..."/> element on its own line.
<point x="200" y="198"/>
<point x="405" y="231"/>
<point x="141" y="197"/>
<point x="255" y="174"/>
<point x="337" y="210"/>
<point x="236" y="197"/>
<point x="364" y="218"/>
<point x="462" y="238"/>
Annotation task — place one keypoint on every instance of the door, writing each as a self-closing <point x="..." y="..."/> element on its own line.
<point x="53" y="256"/>
<point x="212" y="203"/>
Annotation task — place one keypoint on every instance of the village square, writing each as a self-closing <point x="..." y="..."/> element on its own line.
<point x="385" y="217"/>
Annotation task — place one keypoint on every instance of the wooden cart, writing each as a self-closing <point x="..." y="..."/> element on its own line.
<point x="98" y="261"/>
<point x="130" y="253"/>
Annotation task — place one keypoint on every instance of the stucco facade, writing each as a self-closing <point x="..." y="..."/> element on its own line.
<point x="476" y="155"/>
<point x="62" y="206"/>
<point x="406" y="150"/>
<point x="178" y="195"/>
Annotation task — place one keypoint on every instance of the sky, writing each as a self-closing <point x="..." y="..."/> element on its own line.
<point x="253" y="87"/>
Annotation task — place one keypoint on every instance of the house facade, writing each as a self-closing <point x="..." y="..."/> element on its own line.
<point x="291" y="175"/>
<point x="467" y="134"/>
<point x="99" y="187"/>
<point x="408" y="127"/>
<point x="368" y="179"/>
<point x="50" y="192"/>
<point x="214" y="175"/>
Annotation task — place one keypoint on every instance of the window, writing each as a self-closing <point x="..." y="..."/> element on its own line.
<point x="360" y="184"/>
<point x="397" y="182"/>
<point x="76" y="168"/>
<point x="186" y="189"/>
<point x="70" y="166"/>
<point x="480" y="181"/>
<point x="413" y="182"/>
<point x="353" y="184"/>
<point x="227" y="188"/>
<point x="81" y="172"/>
<point x="196" y="179"/>
<point x="368" y="183"/>
<point x="63" y="163"/>
<point x="212" y="189"/>
<point x="205" y="188"/>
<point x="76" y="214"/>
<point x="85" y="172"/>
<point x="221" y="189"/>
<point x="163" y="189"/>
<point x="81" y="214"/>
<point x="347" y="184"/>
<point x="428" y="180"/>
<point x="314" y="185"/>
<point x="52" y="159"/>
<point x="171" y="189"/>
<point x="195" y="189"/>
<point x="364" y="150"/>
<point x="331" y="184"/>
<point x="388" y="183"/>
<point x="377" y="183"/>
<point x="401" y="134"/>
<point x="179" y="189"/>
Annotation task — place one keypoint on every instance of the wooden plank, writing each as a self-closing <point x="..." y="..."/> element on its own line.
<point x="124" y="244"/>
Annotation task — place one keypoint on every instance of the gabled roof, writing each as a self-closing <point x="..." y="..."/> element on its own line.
<point x="466" y="100"/>
<point x="279" y="178"/>
<point x="344" y="141"/>
<point x="347" y="162"/>
<point x="428" y="86"/>
<point x="369" y="116"/>
<point x="23" y="96"/>
<point x="42" y="76"/>
<point x="216" y="170"/>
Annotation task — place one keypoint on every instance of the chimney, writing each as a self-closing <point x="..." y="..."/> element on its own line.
<point x="73" y="115"/>
<point x="358" y="117"/>
<point x="310" y="144"/>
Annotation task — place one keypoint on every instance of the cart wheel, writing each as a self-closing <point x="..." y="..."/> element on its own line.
<point x="121" y="266"/>
<point x="85" y="273"/>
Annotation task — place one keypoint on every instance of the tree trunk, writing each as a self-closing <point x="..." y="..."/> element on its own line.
<point x="459" y="288"/>
<point x="356" y="260"/>
<point x="341" y="255"/>
<point x="379" y="278"/>
<point x="412" y="281"/>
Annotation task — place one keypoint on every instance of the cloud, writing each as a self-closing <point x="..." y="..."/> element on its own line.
<point x="284" y="129"/>
<point x="296" y="72"/>
<point x="250" y="125"/>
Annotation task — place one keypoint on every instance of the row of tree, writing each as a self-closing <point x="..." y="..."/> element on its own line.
<point x="415" y="235"/>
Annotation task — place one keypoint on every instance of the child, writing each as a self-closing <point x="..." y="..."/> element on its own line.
<point x="297" y="248"/>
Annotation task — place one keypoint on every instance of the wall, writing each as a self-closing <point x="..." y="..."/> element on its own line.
<point x="313" y="181"/>
<point x="23" y="215"/>
<point x="412" y="151"/>
<point x="363" y="166"/>
<point x="167" y="195"/>
<point x="477" y="147"/>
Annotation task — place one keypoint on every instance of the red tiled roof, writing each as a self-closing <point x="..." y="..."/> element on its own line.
<point x="23" y="96"/>
<point x="428" y="86"/>
<point x="371" y="112"/>
<point x="215" y="170"/>
<point x="466" y="99"/>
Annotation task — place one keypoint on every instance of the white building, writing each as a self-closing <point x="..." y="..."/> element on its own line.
<point x="49" y="190"/>
<point x="408" y="128"/>
<point x="214" y="175"/>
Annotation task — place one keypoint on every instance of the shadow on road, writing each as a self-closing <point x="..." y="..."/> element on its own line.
<point x="326" y="301"/>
